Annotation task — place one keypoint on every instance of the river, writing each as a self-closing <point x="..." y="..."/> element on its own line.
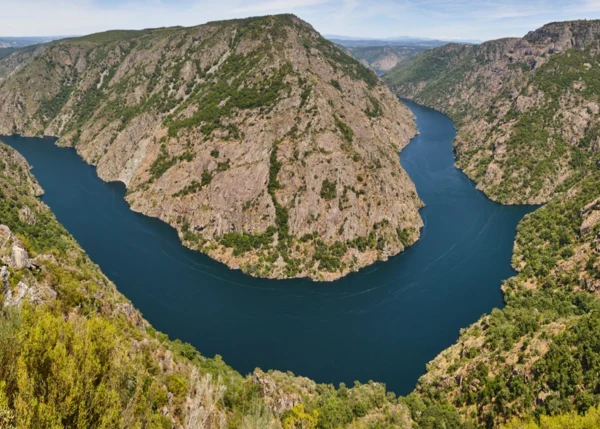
<point x="383" y="323"/>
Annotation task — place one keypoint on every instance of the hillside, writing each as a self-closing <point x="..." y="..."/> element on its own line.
<point x="75" y="353"/>
<point x="526" y="109"/>
<point x="263" y="144"/>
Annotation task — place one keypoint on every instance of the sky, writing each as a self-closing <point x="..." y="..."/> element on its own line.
<point x="441" y="19"/>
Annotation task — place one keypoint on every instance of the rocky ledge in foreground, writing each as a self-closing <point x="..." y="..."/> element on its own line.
<point x="263" y="144"/>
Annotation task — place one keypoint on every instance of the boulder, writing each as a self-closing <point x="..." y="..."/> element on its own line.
<point x="24" y="292"/>
<point x="19" y="258"/>
<point x="16" y="297"/>
<point x="27" y="216"/>
<point x="5" y="235"/>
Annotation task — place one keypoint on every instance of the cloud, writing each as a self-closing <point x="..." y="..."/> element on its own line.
<point x="456" y="19"/>
<point x="591" y="5"/>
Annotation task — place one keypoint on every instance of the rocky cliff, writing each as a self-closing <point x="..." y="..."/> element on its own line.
<point x="265" y="145"/>
<point x="527" y="110"/>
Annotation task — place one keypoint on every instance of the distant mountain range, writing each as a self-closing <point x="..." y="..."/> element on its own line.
<point x="9" y="44"/>
<point x="19" y="42"/>
<point x="395" y="41"/>
<point x="382" y="55"/>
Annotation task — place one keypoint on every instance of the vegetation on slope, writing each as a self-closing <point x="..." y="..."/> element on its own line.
<point x="527" y="113"/>
<point x="539" y="355"/>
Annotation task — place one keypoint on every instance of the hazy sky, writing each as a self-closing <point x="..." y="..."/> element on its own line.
<point x="446" y="19"/>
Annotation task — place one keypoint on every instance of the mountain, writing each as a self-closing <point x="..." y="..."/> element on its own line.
<point x="393" y="41"/>
<point x="382" y="55"/>
<point x="75" y="353"/>
<point x="262" y="143"/>
<point x="526" y="109"/>
<point x="527" y="116"/>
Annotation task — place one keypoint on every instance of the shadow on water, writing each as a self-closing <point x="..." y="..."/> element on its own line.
<point x="383" y="323"/>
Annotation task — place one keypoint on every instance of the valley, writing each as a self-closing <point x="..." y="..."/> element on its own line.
<point x="238" y="182"/>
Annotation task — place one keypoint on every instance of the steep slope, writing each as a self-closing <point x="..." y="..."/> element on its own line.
<point x="527" y="110"/>
<point x="264" y="144"/>
<point x="74" y="353"/>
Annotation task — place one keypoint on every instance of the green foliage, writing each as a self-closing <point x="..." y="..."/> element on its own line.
<point x="345" y="130"/>
<point x="245" y="242"/>
<point x="230" y="85"/>
<point x="404" y="236"/>
<point x="49" y="109"/>
<point x="45" y="236"/>
<point x="572" y="420"/>
<point x="336" y="85"/>
<point x="330" y="256"/>
<point x="73" y="373"/>
<point x="328" y="190"/>
<point x="195" y="186"/>
<point x="546" y="233"/>
<point x="162" y="163"/>
<point x="375" y="111"/>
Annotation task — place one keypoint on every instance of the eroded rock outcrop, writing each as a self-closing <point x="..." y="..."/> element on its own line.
<point x="265" y="145"/>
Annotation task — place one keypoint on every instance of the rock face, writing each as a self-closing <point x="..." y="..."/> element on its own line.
<point x="527" y="110"/>
<point x="265" y="145"/>
<point x="19" y="258"/>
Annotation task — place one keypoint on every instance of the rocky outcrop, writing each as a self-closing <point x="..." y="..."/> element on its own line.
<point x="17" y="259"/>
<point x="590" y="217"/>
<point x="265" y="145"/>
<point x="281" y="391"/>
<point x="526" y="109"/>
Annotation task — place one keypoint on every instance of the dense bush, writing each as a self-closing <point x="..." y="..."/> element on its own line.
<point x="328" y="190"/>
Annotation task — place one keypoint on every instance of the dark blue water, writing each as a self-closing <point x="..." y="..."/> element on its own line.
<point x="383" y="323"/>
